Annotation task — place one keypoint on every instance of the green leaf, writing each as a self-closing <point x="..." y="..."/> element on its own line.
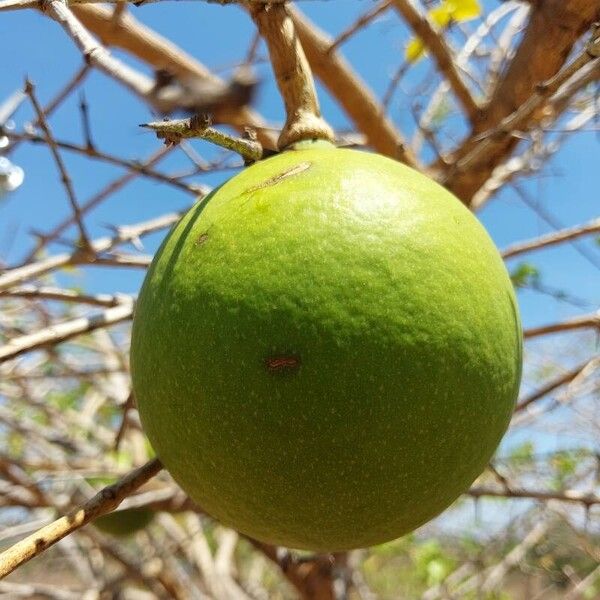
<point x="522" y="453"/>
<point x="525" y="274"/>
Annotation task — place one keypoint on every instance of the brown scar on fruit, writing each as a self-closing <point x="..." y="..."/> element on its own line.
<point x="303" y="166"/>
<point x="282" y="364"/>
<point x="201" y="239"/>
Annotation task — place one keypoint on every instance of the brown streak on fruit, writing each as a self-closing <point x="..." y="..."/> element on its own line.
<point x="282" y="364"/>
<point x="303" y="166"/>
<point x="202" y="239"/>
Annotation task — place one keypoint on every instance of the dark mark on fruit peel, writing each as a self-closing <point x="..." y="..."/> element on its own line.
<point x="201" y="239"/>
<point x="281" y="176"/>
<point x="282" y="364"/>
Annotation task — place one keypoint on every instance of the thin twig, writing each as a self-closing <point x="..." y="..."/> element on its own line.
<point x="85" y="120"/>
<point x="105" y="501"/>
<point x="62" y="332"/>
<point x="553" y="238"/>
<point x="95" y="54"/>
<point x="11" y="105"/>
<point x="123" y="234"/>
<point x="442" y="55"/>
<point x="510" y="125"/>
<point x="498" y="132"/>
<point x="131" y="165"/>
<point x="393" y="84"/>
<point x="583" y="322"/>
<point x="550" y="387"/>
<point x="32" y="292"/>
<point x="148" y="46"/>
<point x="587" y="499"/>
<point x="359" y="24"/>
<point x="66" y="180"/>
<point x="198" y="126"/>
<point x="45" y="238"/>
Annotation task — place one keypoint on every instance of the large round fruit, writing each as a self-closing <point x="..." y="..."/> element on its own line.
<point x="125" y="522"/>
<point x="327" y="350"/>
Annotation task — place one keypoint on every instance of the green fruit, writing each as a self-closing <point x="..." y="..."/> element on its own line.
<point x="327" y="350"/>
<point x="125" y="522"/>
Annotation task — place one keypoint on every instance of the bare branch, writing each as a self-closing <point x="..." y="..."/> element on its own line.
<point x="97" y="55"/>
<point x="11" y="105"/>
<point x="64" y="176"/>
<point x="103" y="502"/>
<point x="32" y="292"/>
<point x="551" y="239"/>
<point x="361" y="22"/>
<point x="519" y="119"/>
<point x="124" y="234"/>
<point x="61" y="332"/>
<point x="147" y="45"/>
<point x="554" y="28"/>
<point x="587" y="499"/>
<point x="142" y="168"/>
<point x="136" y="167"/>
<point x="550" y="387"/>
<point x="434" y="41"/>
<point x="584" y="322"/>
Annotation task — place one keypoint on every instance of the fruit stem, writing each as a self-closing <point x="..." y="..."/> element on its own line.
<point x="293" y="74"/>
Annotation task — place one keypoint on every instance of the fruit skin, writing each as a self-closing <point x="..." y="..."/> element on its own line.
<point x="327" y="350"/>
<point x="124" y="522"/>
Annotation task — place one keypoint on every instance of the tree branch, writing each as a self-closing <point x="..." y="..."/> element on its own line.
<point x="553" y="30"/>
<point x="361" y="22"/>
<point x="587" y="499"/>
<point x="434" y="41"/>
<point x="487" y="141"/>
<point x="64" y="176"/>
<point x="137" y="167"/>
<point x="550" y="387"/>
<point x="61" y="332"/>
<point x="147" y="45"/>
<point x="551" y="239"/>
<point x="97" y="55"/>
<point x="103" y="502"/>
<point x="32" y="292"/>
<point x="124" y="234"/>
<point x="584" y="322"/>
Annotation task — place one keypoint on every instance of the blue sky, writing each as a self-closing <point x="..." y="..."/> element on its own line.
<point x="33" y="45"/>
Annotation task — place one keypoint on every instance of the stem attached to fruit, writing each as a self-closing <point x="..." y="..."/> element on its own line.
<point x="293" y="74"/>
